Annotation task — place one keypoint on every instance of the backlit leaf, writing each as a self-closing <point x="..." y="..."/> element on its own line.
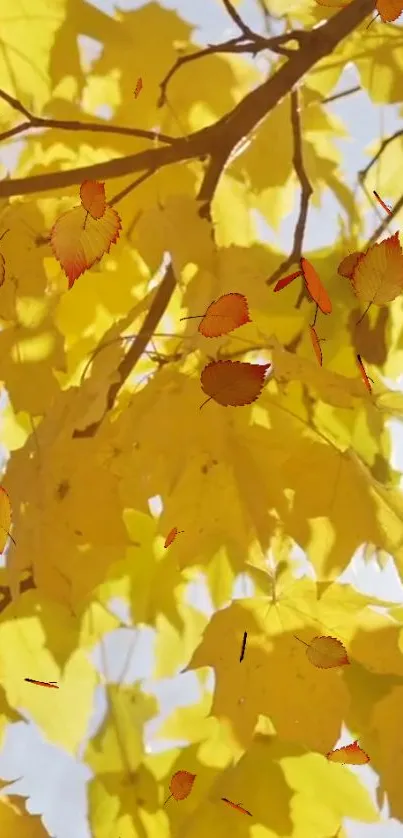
<point x="315" y="287"/>
<point x="326" y="652"/>
<point x="78" y="247"/>
<point x="378" y="274"/>
<point x="92" y="196"/>
<point x="349" y="755"/>
<point x="233" y="383"/>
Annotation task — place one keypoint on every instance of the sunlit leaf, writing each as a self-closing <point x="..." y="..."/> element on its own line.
<point x="181" y="785"/>
<point x="378" y="274"/>
<point x="326" y="652"/>
<point x="78" y="241"/>
<point x="315" y="287"/>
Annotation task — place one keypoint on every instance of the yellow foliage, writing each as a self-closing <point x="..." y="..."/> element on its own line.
<point x="105" y="449"/>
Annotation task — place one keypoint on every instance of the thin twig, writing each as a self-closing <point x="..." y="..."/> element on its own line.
<point x="306" y="192"/>
<point x="246" y="31"/>
<point x="240" y="44"/>
<point x="342" y="95"/>
<point x="363" y="173"/>
<point x="74" y="125"/>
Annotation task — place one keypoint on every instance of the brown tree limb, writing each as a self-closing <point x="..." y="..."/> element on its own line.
<point x="384" y="223"/>
<point x="342" y="95"/>
<point x="246" y="31"/>
<point x="306" y="192"/>
<point x="231" y="128"/>
<point x="74" y="125"/>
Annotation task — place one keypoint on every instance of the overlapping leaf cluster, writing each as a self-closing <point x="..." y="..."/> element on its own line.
<point x="102" y="387"/>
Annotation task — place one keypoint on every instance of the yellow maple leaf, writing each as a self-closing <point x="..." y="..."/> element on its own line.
<point x="378" y="274"/>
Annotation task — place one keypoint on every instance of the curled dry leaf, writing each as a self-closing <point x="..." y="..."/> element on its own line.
<point x="347" y="265"/>
<point x="366" y="380"/>
<point x="378" y="275"/>
<point x="315" y="288"/>
<point x="93" y="199"/>
<point x="326" y="652"/>
<point x="236" y="806"/>
<point x="138" y="88"/>
<point x="349" y="755"/>
<point x="171" y="536"/>
<point x="316" y="344"/>
<point x="76" y="247"/>
<point x="233" y="383"/>
<point x="181" y="785"/>
<point x="282" y="283"/>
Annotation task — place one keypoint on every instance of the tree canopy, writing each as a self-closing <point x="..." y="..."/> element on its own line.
<point x="184" y="401"/>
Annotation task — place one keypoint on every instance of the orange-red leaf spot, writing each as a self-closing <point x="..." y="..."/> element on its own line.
<point x="282" y="283"/>
<point x="315" y="287"/>
<point x="93" y="199"/>
<point x="349" y="755"/>
<point x="233" y="383"/>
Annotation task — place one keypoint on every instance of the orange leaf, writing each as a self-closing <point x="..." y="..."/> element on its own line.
<point x="389" y="10"/>
<point x="364" y="376"/>
<point x="5" y="518"/>
<point x="349" y="755"/>
<point x="382" y="203"/>
<point x="181" y="785"/>
<point x="76" y="247"/>
<point x="282" y="283"/>
<point x="138" y="88"/>
<point x="314" y="286"/>
<point x="378" y="274"/>
<point x="326" y="652"/>
<point x="233" y="383"/>
<point x="316" y="344"/>
<point x="171" y="536"/>
<point x="236" y="806"/>
<point x="347" y="265"/>
<point x="92" y="196"/>
<point x="224" y="315"/>
<point x="2" y="269"/>
<point x="51" y="684"/>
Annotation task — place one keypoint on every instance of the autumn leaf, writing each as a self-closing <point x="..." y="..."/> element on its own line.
<point x="366" y="380"/>
<point x="171" y="536"/>
<point x="378" y="274"/>
<point x="51" y="684"/>
<point x="315" y="288"/>
<point x="138" y="88"/>
<point x="349" y="755"/>
<point x="316" y="344"/>
<point x="236" y="806"/>
<point x="2" y="269"/>
<point x="78" y="247"/>
<point x="389" y="10"/>
<point x="347" y="265"/>
<point x="181" y="785"/>
<point x="223" y="315"/>
<point x="233" y="383"/>
<point x="282" y="283"/>
<point x="378" y="197"/>
<point x="92" y="196"/>
<point x="325" y="652"/>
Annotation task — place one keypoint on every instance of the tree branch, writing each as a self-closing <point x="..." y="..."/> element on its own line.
<point x="385" y="223"/>
<point x="363" y="173"/>
<point x="74" y="125"/>
<point x="238" y="20"/>
<point x="231" y="128"/>
<point x="236" y="45"/>
<point x="306" y="192"/>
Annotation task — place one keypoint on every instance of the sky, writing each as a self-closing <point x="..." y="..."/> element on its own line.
<point x="129" y="652"/>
